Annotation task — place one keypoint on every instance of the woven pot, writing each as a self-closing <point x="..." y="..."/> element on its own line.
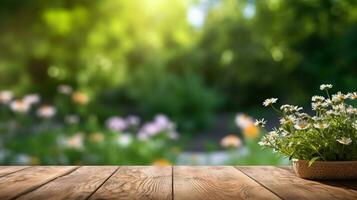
<point x="326" y="169"/>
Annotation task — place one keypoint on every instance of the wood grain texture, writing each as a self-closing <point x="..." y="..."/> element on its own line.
<point x="287" y="185"/>
<point x="16" y="184"/>
<point x="5" y="170"/>
<point x="338" y="183"/>
<point x="79" y="184"/>
<point x="137" y="182"/>
<point x="216" y="183"/>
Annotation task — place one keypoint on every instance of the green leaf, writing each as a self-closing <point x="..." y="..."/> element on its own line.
<point x="313" y="160"/>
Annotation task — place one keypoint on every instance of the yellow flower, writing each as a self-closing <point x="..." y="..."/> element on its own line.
<point x="34" y="160"/>
<point x="161" y="162"/>
<point x="251" y="132"/>
<point x="231" y="141"/>
<point x="80" y="98"/>
<point x="96" y="137"/>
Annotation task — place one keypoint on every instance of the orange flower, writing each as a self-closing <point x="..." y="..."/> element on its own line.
<point x="231" y="141"/>
<point x="161" y="162"/>
<point x="80" y="98"/>
<point x="251" y="132"/>
<point x="20" y="106"/>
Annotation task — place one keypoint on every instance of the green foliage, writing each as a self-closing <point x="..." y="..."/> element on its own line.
<point x="183" y="97"/>
<point x="102" y="46"/>
<point x="298" y="43"/>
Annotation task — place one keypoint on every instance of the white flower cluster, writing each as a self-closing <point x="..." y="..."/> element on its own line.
<point x="25" y="104"/>
<point x="334" y="123"/>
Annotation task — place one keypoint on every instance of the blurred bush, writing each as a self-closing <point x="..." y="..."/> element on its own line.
<point x="184" y="97"/>
<point x="143" y="56"/>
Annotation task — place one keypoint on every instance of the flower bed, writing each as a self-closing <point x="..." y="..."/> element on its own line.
<point x="36" y="132"/>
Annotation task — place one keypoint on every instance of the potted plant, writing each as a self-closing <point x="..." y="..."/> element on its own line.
<point x="322" y="145"/>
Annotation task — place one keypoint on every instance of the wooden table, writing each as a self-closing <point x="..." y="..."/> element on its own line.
<point x="178" y="182"/>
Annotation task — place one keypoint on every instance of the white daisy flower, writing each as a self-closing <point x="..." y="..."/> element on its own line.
<point x="32" y="99"/>
<point x="76" y="141"/>
<point x="290" y="108"/>
<point x="284" y="133"/>
<point x="332" y="113"/>
<point x="46" y="111"/>
<point x="321" y="125"/>
<point x="269" y="102"/>
<point x="125" y="140"/>
<point x="301" y="125"/>
<point x="260" y="122"/>
<point x="339" y="108"/>
<point x="353" y="95"/>
<point x="289" y="119"/>
<point x="272" y="135"/>
<point x="319" y="105"/>
<point x="345" y="140"/>
<point x="304" y="116"/>
<point x="351" y="110"/>
<point x="318" y="98"/>
<point x="6" y="96"/>
<point x="338" y="97"/>
<point x="325" y="86"/>
<point x="65" y="89"/>
<point x="264" y="143"/>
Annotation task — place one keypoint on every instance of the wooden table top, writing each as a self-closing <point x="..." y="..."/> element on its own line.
<point x="178" y="182"/>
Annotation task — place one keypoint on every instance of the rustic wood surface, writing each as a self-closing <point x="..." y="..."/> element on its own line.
<point x="177" y="182"/>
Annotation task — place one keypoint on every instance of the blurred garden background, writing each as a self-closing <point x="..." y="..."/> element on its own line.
<point x="162" y="82"/>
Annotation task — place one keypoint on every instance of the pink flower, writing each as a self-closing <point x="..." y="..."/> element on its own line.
<point x="161" y="124"/>
<point x="116" y="124"/>
<point x="132" y="120"/>
<point x="32" y="99"/>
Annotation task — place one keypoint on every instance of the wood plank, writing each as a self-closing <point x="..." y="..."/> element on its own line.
<point x="16" y="184"/>
<point x="216" y="183"/>
<point x="287" y="185"/>
<point x="137" y="182"/>
<point x="340" y="183"/>
<point x="79" y="184"/>
<point x="5" y="170"/>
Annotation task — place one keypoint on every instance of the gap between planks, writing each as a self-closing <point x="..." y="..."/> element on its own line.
<point x="172" y="183"/>
<point x="14" y="171"/>
<point x="102" y="183"/>
<point x="259" y="183"/>
<point x="69" y="173"/>
<point x="40" y="185"/>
